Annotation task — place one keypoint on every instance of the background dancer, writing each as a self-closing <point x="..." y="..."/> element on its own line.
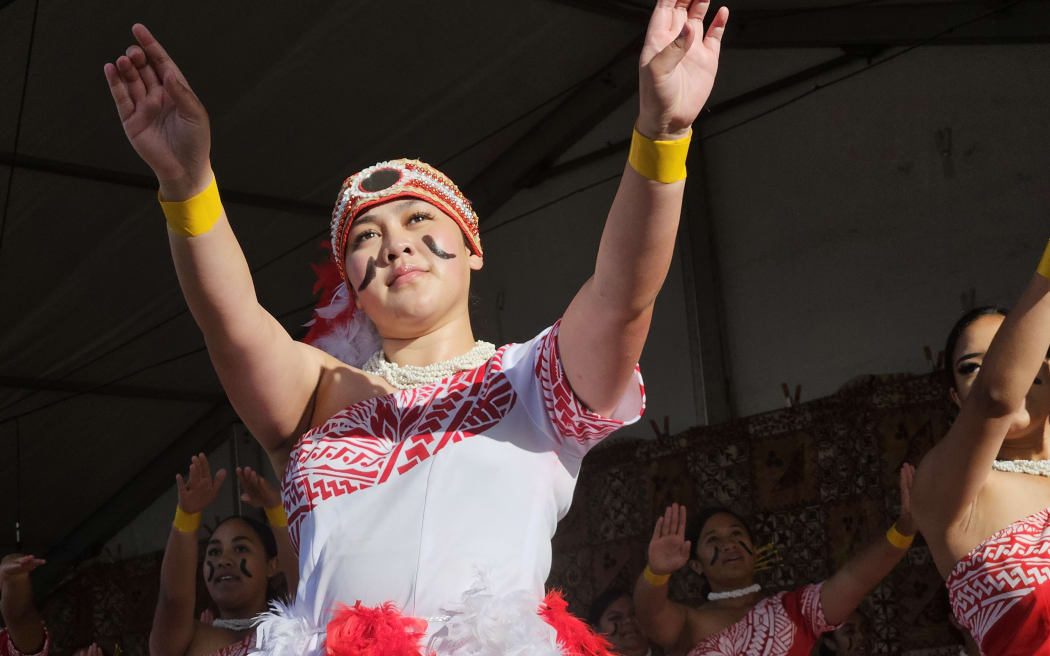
<point x="737" y="617"/>
<point x="25" y="633"/>
<point x="983" y="491"/>
<point x="417" y="475"/>
<point x="240" y="560"/>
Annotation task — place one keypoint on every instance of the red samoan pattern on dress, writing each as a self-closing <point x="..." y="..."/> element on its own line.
<point x="7" y="647"/>
<point x="238" y="648"/>
<point x="571" y="418"/>
<point x="375" y="441"/>
<point x="786" y="624"/>
<point x="999" y="592"/>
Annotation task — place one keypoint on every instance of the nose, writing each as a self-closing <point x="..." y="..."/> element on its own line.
<point x="395" y="244"/>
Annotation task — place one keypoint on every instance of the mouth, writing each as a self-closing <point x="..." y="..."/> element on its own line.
<point x="733" y="559"/>
<point x="405" y="274"/>
<point x="227" y="578"/>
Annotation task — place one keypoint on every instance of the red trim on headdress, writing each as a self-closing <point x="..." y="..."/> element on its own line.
<point x="575" y="637"/>
<point x="380" y="631"/>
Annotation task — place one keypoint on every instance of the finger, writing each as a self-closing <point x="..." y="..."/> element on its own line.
<point x="136" y="88"/>
<point x="119" y="90"/>
<point x="180" y="483"/>
<point x="687" y="549"/>
<point x="681" y="522"/>
<point x="220" y="476"/>
<point x="698" y="9"/>
<point x="666" y="60"/>
<point x="185" y="100"/>
<point x="657" y="528"/>
<point x="145" y="69"/>
<point x="156" y="52"/>
<point x="666" y="527"/>
<point x="246" y="498"/>
<point x="713" y="39"/>
<point x="202" y="460"/>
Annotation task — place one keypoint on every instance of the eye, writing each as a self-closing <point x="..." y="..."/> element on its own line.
<point x="968" y="368"/>
<point x="364" y="235"/>
<point x="419" y="217"/>
<point x="241" y="548"/>
<point x="213" y="552"/>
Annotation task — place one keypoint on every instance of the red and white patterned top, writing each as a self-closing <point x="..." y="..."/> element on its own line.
<point x="407" y="497"/>
<point x="7" y="648"/>
<point x="238" y="648"/>
<point x="1000" y="590"/>
<point x="786" y="624"/>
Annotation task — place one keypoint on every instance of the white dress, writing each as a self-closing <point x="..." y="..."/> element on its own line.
<point x="436" y="497"/>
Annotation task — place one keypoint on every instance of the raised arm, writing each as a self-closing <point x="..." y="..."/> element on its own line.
<point x="256" y="491"/>
<point x="605" y="326"/>
<point x="174" y="625"/>
<point x="268" y="376"/>
<point x="662" y="620"/>
<point x="24" y="624"/>
<point x="842" y="593"/>
<point x="952" y="474"/>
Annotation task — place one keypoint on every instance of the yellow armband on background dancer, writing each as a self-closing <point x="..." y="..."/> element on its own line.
<point x="654" y="579"/>
<point x="186" y="522"/>
<point x="194" y="216"/>
<point x="276" y="516"/>
<point x="1044" y="264"/>
<point x="898" y="539"/>
<point x="662" y="161"/>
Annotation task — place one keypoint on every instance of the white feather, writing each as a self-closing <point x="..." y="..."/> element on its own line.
<point x="352" y="342"/>
<point x="287" y="630"/>
<point x="489" y="624"/>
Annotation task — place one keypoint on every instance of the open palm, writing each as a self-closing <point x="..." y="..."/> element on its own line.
<point x="678" y="65"/>
<point x="198" y="492"/>
<point x="163" y="119"/>
<point x="668" y="548"/>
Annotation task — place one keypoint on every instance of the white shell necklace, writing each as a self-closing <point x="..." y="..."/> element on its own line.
<point x="1034" y="467"/>
<point x="733" y="594"/>
<point x="408" y="376"/>
<point x="241" y="624"/>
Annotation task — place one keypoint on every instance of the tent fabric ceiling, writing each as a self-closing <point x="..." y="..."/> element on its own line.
<point x="300" y="95"/>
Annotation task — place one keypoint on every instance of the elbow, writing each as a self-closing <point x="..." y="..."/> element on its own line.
<point x="995" y="401"/>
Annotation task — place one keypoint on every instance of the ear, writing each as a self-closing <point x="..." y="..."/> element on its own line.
<point x="272" y="568"/>
<point x="475" y="261"/>
<point x="696" y="566"/>
<point x="954" y="396"/>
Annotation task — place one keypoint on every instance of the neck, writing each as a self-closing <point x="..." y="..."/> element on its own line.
<point x="242" y="612"/>
<point x="446" y="341"/>
<point x="1034" y="445"/>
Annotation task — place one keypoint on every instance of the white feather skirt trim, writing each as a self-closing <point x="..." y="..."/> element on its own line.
<point x="288" y="630"/>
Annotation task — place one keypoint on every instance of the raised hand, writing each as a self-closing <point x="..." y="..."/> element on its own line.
<point x="207" y="617"/>
<point x="256" y="490"/>
<point x="677" y="67"/>
<point x="906" y="523"/>
<point x="668" y="549"/>
<point x="17" y="566"/>
<point x="162" y="117"/>
<point x="90" y="650"/>
<point x="197" y="494"/>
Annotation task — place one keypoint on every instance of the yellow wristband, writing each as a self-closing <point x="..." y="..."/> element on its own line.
<point x="194" y="216"/>
<point x="654" y="579"/>
<point x="186" y="522"/>
<point x="898" y="539"/>
<point x="1044" y="264"/>
<point x="276" y="517"/>
<point x="663" y="161"/>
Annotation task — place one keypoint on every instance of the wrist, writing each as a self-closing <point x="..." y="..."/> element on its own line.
<point x="655" y="130"/>
<point x="276" y="516"/>
<point x="185" y="522"/>
<point x="186" y="186"/>
<point x="898" y="538"/>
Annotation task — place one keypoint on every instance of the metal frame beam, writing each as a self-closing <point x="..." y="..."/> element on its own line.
<point x="97" y="389"/>
<point x="866" y="25"/>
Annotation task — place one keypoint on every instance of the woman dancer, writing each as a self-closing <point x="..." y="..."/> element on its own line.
<point x="738" y="620"/>
<point x="984" y="492"/>
<point x="239" y="560"/>
<point x="409" y="481"/>
<point x="25" y="634"/>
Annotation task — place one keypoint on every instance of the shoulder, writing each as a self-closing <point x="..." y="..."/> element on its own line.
<point x="208" y="640"/>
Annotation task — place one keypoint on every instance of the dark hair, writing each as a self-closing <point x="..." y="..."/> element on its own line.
<point x="264" y="532"/>
<point x="694" y="526"/>
<point x="957" y="330"/>
<point x="602" y="602"/>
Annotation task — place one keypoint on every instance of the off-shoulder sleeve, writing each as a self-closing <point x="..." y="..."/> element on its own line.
<point x="805" y="610"/>
<point x="7" y="647"/>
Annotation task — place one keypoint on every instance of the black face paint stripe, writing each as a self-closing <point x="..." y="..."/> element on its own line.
<point x="435" y="249"/>
<point x="749" y="552"/>
<point x="714" y="559"/>
<point x="244" y="568"/>
<point x="370" y="274"/>
<point x="211" y="571"/>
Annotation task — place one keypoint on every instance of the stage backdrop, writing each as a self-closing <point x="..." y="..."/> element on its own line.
<point x="818" y="480"/>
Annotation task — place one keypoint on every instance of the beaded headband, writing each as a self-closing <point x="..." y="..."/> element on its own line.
<point x="399" y="178"/>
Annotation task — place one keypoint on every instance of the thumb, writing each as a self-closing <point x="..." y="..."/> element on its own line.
<point x="186" y="102"/>
<point x="665" y="61"/>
